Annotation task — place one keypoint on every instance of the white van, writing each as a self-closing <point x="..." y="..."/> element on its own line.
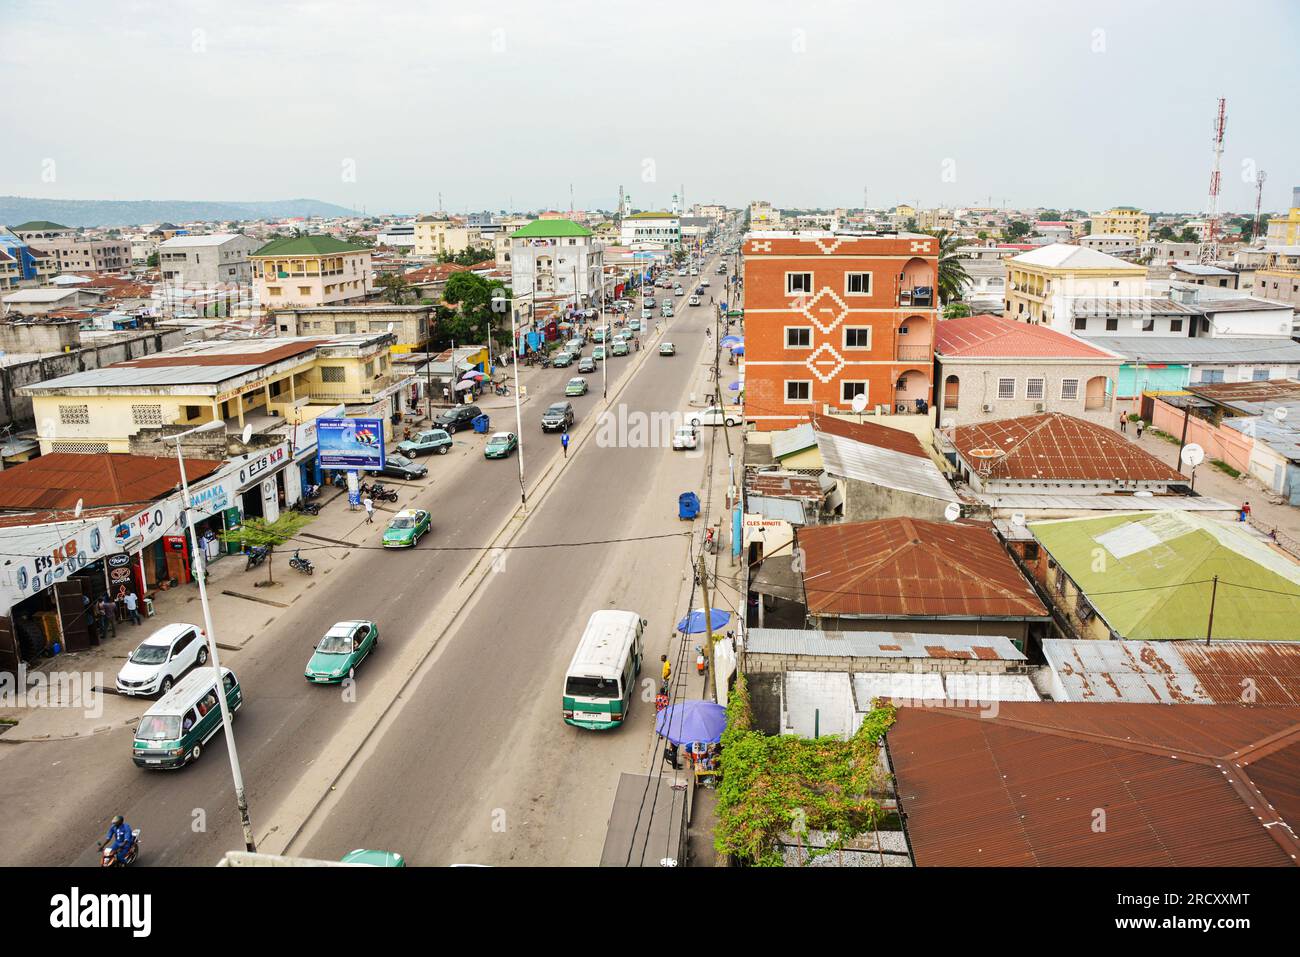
<point x="173" y="732"/>
<point x="599" y="682"/>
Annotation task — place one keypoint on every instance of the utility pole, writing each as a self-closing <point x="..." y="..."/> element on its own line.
<point x="708" y="614"/>
<point x="1260" y="176"/>
<point x="1209" y="629"/>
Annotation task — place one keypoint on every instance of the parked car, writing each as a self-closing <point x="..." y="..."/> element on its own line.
<point x="455" y="419"/>
<point x="558" y="417"/>
<point x="158" y="662"/>
<point x="577" y="385"/>
<point x="585" y="364"/>
<point x="667" y="349"/>
<point x="431" y="440"/>
<point x="344" y="646"/>
<point x="713" y="415"/>
<point x="562" y="360"/>
<point x="399" y="466"/>
<point x="405" y="529"/>
<point x="500" y="445"/>
<point x="686" y="437"/>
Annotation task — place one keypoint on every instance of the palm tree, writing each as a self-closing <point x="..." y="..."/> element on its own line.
<point x="953" y="279"/>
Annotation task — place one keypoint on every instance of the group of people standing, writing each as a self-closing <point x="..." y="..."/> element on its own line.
<point x="103" y="614"/>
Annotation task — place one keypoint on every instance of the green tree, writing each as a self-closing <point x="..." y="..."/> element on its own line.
<point x="1188" y="235"/>
<point x="474" y="316"/>
<point x="1015" y="230"/>
<point x="258" y="532"/>
<point x="395" y="288"/>
<point x="956" y="310"/>
<point x="356" y="239"/>
<point x="953" y="278"/>
<point x="982" y="234"/>
<point x="910" y="225"/>
<point x="1165" y="234"/>
<point x="152" y="261"/>
<point x="1050" y="215"/>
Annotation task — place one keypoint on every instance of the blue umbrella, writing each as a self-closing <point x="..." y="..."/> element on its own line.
<point x="732" y="341"/>
<point x="737" y="350"/>
<point x="694" y="720"/>
<point x="693" y="624"/>
<point x="734" y="387"/>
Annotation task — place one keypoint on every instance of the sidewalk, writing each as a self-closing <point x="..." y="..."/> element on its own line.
<point x="1268" y="511"/>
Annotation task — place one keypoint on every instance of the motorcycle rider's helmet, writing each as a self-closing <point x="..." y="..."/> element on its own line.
<point x="118" y="820"/>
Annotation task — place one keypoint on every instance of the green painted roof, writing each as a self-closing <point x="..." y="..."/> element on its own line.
<point x="308" y="246"/>
<point x="549" y="228"/>
<point x="1149" y="575"/>
<point x="39" y="224"/>
<point x="653" y="216"/>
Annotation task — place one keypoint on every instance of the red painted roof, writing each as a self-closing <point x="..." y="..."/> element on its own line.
<point x="1052" y="446"/>
<point x="1182" y="785"/>
<point x="57" y="480"/>
<point x="996" y="337"/>
<point x="899" y="567"/>
<point x="438" y="272"/>
<point x="869" y="433"/>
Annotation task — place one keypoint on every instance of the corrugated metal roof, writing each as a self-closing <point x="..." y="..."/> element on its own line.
<point x="845" y="458"/>
<point x="901" y="567"/>
<point x="59" y="479"/>
<point x="870" y="433"/>
<point x="1052" y="446"/>
<point x="1106" y="503"/>
<point x="1181" y="785"/>
<point x="880" y="644"/>
<point x="789" y="441"/>
<point x="784" y="509"/>
<point x="783" y="485"/>
<point x="1177" y="672"/>
<point x="1183" y="349"/>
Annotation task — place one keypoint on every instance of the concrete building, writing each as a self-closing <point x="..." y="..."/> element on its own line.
<point x="991" y="367"/>
<point x="1167" y="253"/>
<point x="1285" y="230"/>
<point x="397" y="235"/>
<point x="1279" y="284"/>
<point x="311" y="271"/>
<point x="89" y="255"/>
<point x="43" y="231"/>
<point x="652" y="228"/>
<point x="1125" y="220"/>
<point x="41" y="302"/>
<point x="934" y="219"/>
<point x="556" y="258"/>
<point x="763" y="216"/>
<point x="442" y="237"/>
<point x="833" y="320"/>
<point x="1042" y="282"/>
<point x="213" y="260"/>
<point x="1117" y="244"/>
<point x="410" y="325"/>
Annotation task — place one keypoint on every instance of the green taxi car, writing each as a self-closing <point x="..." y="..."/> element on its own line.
<point x="405" y="529"/>
<point x="598" y="334"/>
<point x="598" y="353"/>
<point x="562" y="359"/>
<point x="619" y="348"/>
<point x="500" y="445"/>
<point x="577" y="386"/>
<point x="362" y="857"/>
<point x="344" y="647"/>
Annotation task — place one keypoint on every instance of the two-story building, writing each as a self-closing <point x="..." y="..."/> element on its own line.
<point x="834" y="322"/>
<point x="1043" y="282"/>
<point x="311" y="271"/>
<point x="213" y="260"/>
<point x="656" y="228"/>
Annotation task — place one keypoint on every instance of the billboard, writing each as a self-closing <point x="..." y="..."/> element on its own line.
<point x="350" y="443"/>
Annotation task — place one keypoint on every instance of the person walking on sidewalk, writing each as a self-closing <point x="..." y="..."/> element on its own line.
<point x="667" y="667"/>
<point x="1243" y="513"/>
<point x="370" y="510"/>
<point x="132" y="607"/>
<point x="1140" y="425"/>
<point x="564" y="441"/>
<point x="1123" y="421"/>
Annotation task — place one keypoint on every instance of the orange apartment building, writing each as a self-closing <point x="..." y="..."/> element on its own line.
<point x="830" y="317"/>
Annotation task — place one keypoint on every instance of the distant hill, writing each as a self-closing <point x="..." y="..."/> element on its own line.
<point x="99" y="212"/>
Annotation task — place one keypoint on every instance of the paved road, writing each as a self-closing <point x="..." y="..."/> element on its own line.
<point x="491" y="670"/>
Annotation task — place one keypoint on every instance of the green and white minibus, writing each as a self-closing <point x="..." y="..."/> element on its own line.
<point x="601" y="678"/>
<point x="173" y="732"/>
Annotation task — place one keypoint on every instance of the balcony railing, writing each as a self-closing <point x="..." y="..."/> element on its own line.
<point x="912" y="353"/>
<point x="917" y="296"/>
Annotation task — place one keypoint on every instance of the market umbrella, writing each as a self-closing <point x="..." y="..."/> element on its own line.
<point x="693" y="624"/>
<point x="737" y="350"/>
<point x="693" y="720"/>
<point x="735" y="387"/>
<point x="732" y="341"/>
<point x="564" y="325"/>
<point x="472" y="376"/>
<point x="462" y="386"/>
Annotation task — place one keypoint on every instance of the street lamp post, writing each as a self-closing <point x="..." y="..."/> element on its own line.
<point x="519" y="420"/>
<point x="200" y="563"/>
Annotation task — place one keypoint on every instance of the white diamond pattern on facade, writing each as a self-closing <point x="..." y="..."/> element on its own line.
<point x="817" y="366"/>
<point x="826" y="310"/>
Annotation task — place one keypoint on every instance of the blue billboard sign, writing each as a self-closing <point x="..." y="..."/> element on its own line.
<point x="350" y="443"/>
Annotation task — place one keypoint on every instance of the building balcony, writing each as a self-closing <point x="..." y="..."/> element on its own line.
<point x="914" y="353"/>
<point x="916" y="296"/>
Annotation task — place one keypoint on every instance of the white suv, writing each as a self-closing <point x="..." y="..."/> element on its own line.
<point x="159" y="661"/>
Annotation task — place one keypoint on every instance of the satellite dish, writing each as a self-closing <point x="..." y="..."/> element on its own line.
<point x="952" y="512"/>
<point x="247" y="433"/>
<point x="76" y="511"/>
<point x="860" y="402"/>
<point x="390" y="327"/>
<point x="1279" y="413"/>
<point x="1018" y="518"/>
<point x="1192" y="454"/>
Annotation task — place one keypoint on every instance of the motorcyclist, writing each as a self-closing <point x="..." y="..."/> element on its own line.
<point x="118" y="838"/>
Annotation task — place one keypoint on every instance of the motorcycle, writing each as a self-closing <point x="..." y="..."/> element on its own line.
<point x="313" y="491"/>
<point x="379" y="493"/>
<point x="310" y="508"/>
<point x="300" y="564"/>
<point x="108" y="857"/>
<point x="256" y="555"/>
<point x="501" y="389"/>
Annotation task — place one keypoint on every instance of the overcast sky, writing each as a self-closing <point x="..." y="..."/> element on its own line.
<point x="496" y="104"/>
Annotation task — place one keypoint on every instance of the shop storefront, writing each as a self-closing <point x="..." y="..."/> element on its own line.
<point x="260" y="491"/>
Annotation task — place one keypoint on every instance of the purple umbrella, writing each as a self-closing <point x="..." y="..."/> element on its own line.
<point x="690" y="721"/>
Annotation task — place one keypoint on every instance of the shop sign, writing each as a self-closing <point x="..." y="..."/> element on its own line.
<point x="119" y="569"/>
<point x="212" y="499"/>
<point x="350" y="443"/>
<point x="256" y="469"/>
<point x="70" y="555"/>
<point x="151" y="521"/>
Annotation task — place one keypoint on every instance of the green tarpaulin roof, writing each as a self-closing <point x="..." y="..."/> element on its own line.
<point x="1149" y="575"/>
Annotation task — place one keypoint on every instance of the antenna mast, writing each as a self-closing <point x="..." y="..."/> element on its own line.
<point x="1260" y="176"/>
<point x="1210" y="246"/>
